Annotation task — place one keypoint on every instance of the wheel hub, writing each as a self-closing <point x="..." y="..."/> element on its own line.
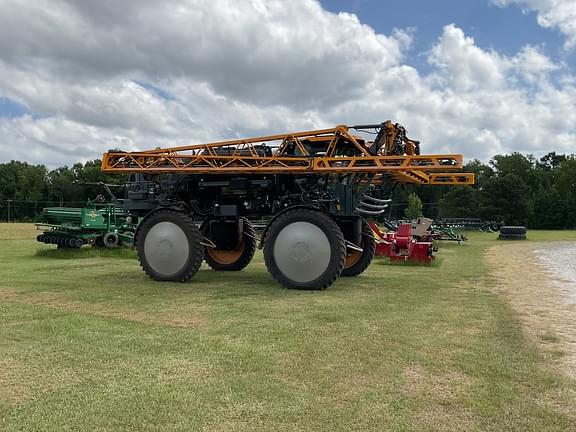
<point x="302" y="251"/>
<point x="166" y="248"/>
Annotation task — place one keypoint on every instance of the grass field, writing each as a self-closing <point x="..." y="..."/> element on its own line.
<point x="88" y="342"/>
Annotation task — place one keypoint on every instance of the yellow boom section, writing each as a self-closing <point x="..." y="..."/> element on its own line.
<point x="325" y="151"/>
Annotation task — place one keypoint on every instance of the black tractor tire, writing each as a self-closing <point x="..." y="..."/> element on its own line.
<point x="168" y="246"/>
<point x="304" y="249"/>
<point x="512" y="236"/>
<point x="110" y="240"/>
<point x="356" y="261"/>
<point x="513" y="230"/>
<point x="232" y="260"/>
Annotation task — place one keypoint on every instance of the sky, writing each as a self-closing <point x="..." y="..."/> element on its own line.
<point x="477" y="77"/>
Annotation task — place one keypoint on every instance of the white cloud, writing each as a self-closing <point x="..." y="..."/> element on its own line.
<point x="464" y="66"/>
<point x="560" y="14"/>
<point x="254" y="68"/>
<point x="274" y="50"/>
<point x="533" y="66"/>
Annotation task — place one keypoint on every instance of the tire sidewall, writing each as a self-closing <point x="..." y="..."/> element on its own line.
<point x="330" y="230"/>
<point x="192" y="235"/>
<point x="110" y="240"/>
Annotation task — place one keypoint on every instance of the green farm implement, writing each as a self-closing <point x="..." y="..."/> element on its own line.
<point x="99" y="223"/>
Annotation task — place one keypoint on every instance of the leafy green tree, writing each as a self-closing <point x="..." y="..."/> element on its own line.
<point x="566" y="184"/>
<point x="20" y="181"/>
<point x="550" y="161"/>
<point x="414" y="209"/>
<point x="550" y="210"/>
<point x="62" y="187"/>
<point x="524" y="167"/>
<point x="482" y="172"/>
<point x="460" y="202"/>
<point x="514" y="163"/>
<point x="506" y="198"/>
<point x="78" y="184"/>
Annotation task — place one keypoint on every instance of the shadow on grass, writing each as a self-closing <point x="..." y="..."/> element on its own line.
<point x="87" y="252"/>
<point x="206" y="285"/>
<point x="437" y="262"/>
<point x="452" y="244"/>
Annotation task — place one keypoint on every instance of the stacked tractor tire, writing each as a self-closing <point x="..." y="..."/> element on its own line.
<point x="512" y="233"/>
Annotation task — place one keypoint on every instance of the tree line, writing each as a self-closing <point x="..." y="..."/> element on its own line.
<point x="26" y="189"/>
<point x="515" y="189"/>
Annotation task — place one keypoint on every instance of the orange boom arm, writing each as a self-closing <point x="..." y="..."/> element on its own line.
<point x="325" y="151"/>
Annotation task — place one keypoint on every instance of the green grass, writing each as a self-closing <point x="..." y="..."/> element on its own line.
<point x="93" y="344"/>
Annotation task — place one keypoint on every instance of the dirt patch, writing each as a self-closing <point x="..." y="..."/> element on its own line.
<point x="17" y="231"/>
<point x="11" y="388"/>
<point x="441" y="396"/>
<point x="444" y="387"/>
<point x="60" y="301"/>
<point x="188" y="370"/>
<point x="21" y="381"/>
<point x="548" y="319"/>
<point x="7" y="293"/>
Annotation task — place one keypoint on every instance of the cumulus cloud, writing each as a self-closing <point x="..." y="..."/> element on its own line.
<point x="560" y="14"/>
<point x="141" y="74"/>
<point x="255" y="51"/>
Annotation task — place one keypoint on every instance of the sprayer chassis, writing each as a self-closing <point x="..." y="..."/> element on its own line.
<point x="315" y="188"/>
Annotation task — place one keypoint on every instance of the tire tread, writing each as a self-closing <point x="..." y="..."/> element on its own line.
<point x="319" y="219"/>
<point x="512" y="229"/>
<point x="197" y="253"/>
<point x="368" y="254"/>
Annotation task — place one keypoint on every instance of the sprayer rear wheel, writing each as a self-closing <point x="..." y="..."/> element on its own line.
<point x="356" y="261"/>
<point x="233" y="259"/>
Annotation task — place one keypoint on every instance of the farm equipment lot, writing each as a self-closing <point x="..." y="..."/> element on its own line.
<point x="89" y="342"/>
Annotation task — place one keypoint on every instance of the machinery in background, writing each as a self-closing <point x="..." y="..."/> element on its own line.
<point x="410" y="242"/>
<point x="100" y="223"/>
<point x="469" y="224"/>
<point x="425" y="229"/>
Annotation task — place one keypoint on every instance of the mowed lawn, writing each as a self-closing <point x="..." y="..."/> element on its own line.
<point x="88" y="342"/>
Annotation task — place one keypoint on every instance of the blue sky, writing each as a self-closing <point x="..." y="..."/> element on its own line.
<point x="11" y="109"/>
<point x="477" y="77"/>
<point x="504" y="29"/>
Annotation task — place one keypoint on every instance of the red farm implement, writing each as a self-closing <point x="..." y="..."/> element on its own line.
<point x="402" y="245"/>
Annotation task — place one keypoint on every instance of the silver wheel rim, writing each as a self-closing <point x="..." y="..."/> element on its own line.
<point x="302" y="251"/>
<point x="166" y="248"/>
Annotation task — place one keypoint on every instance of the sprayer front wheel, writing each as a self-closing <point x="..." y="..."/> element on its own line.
<point x="304" y="249"/>
<point x="168" y="246"/>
